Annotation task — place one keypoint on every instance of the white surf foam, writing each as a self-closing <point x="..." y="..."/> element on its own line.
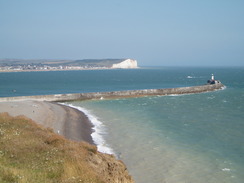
<point x="226" y="169"/>
<point x="99" y="130"/>
<point x="223" y="87"/>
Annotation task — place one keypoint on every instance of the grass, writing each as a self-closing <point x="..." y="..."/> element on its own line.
<point x="31" y="153"/>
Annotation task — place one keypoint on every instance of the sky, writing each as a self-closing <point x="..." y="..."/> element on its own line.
<point x="155" y="32"/>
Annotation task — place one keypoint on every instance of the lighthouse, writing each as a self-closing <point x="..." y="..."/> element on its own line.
<point x="213" y="81"/>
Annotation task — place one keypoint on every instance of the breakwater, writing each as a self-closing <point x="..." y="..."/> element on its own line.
<point x="117" y="94"/>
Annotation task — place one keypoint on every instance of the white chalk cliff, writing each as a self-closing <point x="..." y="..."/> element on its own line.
<point x="126" y="64"/>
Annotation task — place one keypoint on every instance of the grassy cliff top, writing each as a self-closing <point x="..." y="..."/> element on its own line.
<point x="31" y="153"/>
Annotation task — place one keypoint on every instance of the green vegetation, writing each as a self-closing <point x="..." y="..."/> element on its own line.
<point x="56" y="63"/>
<point x="31" y="153"/>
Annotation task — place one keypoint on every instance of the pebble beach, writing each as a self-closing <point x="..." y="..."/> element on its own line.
<point x="66" y="121"/>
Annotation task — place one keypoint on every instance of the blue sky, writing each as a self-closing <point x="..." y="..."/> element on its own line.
<point x="155" y="32"/>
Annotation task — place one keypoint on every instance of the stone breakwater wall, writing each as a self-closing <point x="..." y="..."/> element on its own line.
<point x="117" y="94"/>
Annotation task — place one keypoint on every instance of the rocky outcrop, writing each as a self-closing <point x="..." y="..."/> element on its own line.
<point x="126" y="64"/>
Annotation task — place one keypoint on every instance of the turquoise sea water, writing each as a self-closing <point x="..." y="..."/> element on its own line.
<point x="185" y="138"/>
<point x="39" y="83"/>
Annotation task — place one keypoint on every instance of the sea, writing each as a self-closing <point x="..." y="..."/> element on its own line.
<point x="193" y="138"/>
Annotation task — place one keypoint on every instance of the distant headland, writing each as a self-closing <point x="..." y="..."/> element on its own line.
<point x="18" y="65"/>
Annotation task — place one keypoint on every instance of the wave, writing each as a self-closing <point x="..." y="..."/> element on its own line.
<point x="98" y="130"/>
<point x="193" y="77"/>
<point x="223" y="87"/>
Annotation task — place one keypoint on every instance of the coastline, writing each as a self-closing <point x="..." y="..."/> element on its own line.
<point x="71" y="122"/>
<point x="66" y="121"/>
<point x="49" y="70"/>
<point x="75" y="123"/>
<point x="98" y="129"/>
<point x="37" y="146"/>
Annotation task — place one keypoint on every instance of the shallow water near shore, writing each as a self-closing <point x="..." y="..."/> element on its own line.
<point x="189" y="138"/>
<point x="185" y="138"/>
